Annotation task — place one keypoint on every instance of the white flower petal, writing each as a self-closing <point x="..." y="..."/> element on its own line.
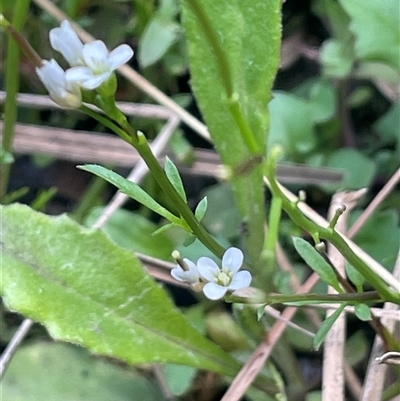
<point x="178" y="273"/>
<point x="64" y="93"/>
<point x="214" y="291"/>
<point x="190" y="276"/>
<point x="232" y="260"/>
<point x="207" y="268"/>
<point x="241" y="279"/>
<point x="85" y="78"/>
<point x="66" y="41"/>
<point x="95" y="81"/>
<point x="95" y="54"/>
<point x="78" y="74"/>
<point x="119" y="56"/>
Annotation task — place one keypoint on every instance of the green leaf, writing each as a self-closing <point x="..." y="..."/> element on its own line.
<point x="359" y="170"/>
<point x="381" y="225"/>
<point x="131" y="189"/>
<point x="35" y="374"/>
<point x="292" y="124"/>
<point x="250" y="35"/>
<point x="363" y="312"/>
<point x="316" y="262"/>
<point x="222" y="217"/>
<point x="5" y="157"/>
<point x="355" y="277"/>
<point x="322" y="101"/>
<point x="337" y="58"/>
<point x="337" y="52"/>
<point x="201" y="209"/>
<point x="179" y="378"/>
<point x="133" y="231"/>
<point x="190" y="238"/>
<point x="326" y="326"/>
<point x="87" y="290"/>
<point x="173" y="175"/>
<point x="375" y="24"/>
<point x="160" y="34"/>
<point x="357" y="346"/>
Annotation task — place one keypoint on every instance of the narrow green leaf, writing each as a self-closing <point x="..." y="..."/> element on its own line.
<point x="87" y="290"/>
<point x="175" y="178"/>
<point x="363" y="311"/>
<point x="201" y="209"/>
<point x="261" y="311"/>
<point x="316" y="262"/>
<point x="355" y="277"/>
<point x="131" y="189"/>
<point x="250" y="34"/>
<point x="326" y="326"/>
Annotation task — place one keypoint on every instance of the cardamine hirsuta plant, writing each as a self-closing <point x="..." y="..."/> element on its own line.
<point x="87" y="290"/>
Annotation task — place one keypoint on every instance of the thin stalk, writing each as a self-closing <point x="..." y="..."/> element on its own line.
<point x="272" y="234"/>
<point x="139" y="142"/>
<point x="307" y="299"/>
<point x="159" y="175"/>
<point x="329" y="234"/>
<point x="11" y="87"/>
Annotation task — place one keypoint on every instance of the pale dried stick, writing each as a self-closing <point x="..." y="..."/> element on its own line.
<point x="132" y="76"/>
<point x="316" y="218"/>
<point x="253" y="366"/>
<point x="333" y="378"/>
<point x="368" y="212"/>
<point x="12" y="346"/>
<point x="159" y="374"/>
<point x="376" y="373"/>
<point x="128" y="108"/>
<point x="378" y="312"/>
<point x="139" y="171"/>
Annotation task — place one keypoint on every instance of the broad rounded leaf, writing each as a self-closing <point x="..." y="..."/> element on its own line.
<point x="375" y="24"/>
<point x="87" y="290"/>
<point x="36" y="374"/>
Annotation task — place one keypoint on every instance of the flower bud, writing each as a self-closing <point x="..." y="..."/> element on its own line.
<point x="65" y="94"/>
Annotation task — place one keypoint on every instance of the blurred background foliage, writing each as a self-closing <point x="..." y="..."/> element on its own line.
<point x="336" y="104"/>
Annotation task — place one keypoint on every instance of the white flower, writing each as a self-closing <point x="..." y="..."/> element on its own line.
<point x="188" y="276"/>
<point x="65" y="40"/>
<point x="224" y="279"/>
<point x="99" y="64"/>
<point x="64" y="93"/>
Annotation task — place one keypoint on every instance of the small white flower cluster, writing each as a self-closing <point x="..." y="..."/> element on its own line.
<point x="215" y="281"/>
<point x="91" y="65"/>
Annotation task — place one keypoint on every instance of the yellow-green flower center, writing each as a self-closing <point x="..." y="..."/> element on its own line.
<point x="224" y="279"/>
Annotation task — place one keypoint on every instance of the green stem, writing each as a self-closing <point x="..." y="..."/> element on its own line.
<point x="272" y="234"/>
<point x="159" y="175"/>
<point x="244" y="128"/>
<point x="329" y="234"/>
<point x="11" y="87"/>
<point x="270" y="299"/>
<point x="139" y="142"/>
